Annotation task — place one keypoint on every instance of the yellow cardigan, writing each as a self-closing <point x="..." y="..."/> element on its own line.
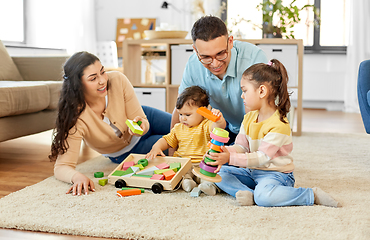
<point x="122" y="104"/>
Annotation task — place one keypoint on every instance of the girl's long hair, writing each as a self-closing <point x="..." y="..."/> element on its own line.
<point x="276" y="76"/>
<point x="71" y="102"/>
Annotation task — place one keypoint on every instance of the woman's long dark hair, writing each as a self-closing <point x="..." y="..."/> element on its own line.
<point x="276" y="76"/>
<point x="71" y="102"/>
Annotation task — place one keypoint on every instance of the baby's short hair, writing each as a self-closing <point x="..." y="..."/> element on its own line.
<point x="193" y="96"/>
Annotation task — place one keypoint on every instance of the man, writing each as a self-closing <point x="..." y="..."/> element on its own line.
<point x="218" y="66"/>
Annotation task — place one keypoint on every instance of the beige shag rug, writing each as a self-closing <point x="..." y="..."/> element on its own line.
<point x="337" y="163"/>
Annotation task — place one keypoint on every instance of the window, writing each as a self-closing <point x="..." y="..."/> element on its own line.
<point x="12" y="21"/>
<point x="244" y="21"/>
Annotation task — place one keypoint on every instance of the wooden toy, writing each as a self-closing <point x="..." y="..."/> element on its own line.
<point x="195" y="192"/>
<point x="208" y="114"/>
<point x="158" y="176"/>
<point x="142" y="181"/>
<point x="168" y="175"/>
<point x="127" y="188"/>
<point x="98" y="174"/>
<point x="175" y="165"/>
<point x="103" y="182"/>
<point x="129" y="192"/>
<point x="127" y="165"/>
<point x="163" y="166"/>
<point x="134" y="126"/>
<point x="143" y="162"/>
<point x="218" y="136"/>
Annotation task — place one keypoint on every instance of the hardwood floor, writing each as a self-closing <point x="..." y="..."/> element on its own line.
<point x="24" y="161"/>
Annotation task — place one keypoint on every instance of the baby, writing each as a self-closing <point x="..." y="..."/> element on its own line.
<point x="191" y="135"/>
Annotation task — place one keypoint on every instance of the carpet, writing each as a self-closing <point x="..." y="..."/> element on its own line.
<point x="337" y="163"/>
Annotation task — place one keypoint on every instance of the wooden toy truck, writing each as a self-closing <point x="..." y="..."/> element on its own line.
<point x="157" y="186"/>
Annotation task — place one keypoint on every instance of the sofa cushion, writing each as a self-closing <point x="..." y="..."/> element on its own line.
<point x="8" y="70"/>
<point x="54" y="89"/>
<point x="19" y="97"/>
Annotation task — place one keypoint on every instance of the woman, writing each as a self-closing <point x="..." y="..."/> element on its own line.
<point x="94" y="106"/>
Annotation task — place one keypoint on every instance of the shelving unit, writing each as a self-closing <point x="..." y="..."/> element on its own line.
<point x="132" y="51"/>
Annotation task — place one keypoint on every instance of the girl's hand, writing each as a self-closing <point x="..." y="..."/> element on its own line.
<point x="154" y="152"/>
<point x="142" y="125"/>
<point x="220" y="158"/>
<point x="81" y="182"/>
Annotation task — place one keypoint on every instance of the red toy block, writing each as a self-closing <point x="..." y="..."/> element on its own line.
<point x="169" y="174"/>
<point x="157" y="177"/>
<point x="126" y="165"/>
<point x="163" y="166"/>
<point x="128" y="192"/>
<point x="207" y="114"/>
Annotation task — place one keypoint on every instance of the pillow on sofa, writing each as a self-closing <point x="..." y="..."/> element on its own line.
<point x="8" y="70"/>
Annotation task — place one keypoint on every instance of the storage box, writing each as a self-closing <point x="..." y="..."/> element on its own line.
<point x="286" y="54"/>
<point x="152" y="97"/>
<point x="179" y="57"/>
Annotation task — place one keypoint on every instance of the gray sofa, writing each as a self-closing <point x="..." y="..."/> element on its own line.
<point x="29" y="93"/>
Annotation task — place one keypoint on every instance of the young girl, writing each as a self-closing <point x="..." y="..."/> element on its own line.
<point x="191" y="135"/>
<point x="260" y="166"/>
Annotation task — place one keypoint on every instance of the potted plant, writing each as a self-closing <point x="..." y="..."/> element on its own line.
<point x="278" y="19"/>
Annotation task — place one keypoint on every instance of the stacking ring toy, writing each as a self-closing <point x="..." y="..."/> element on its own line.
<point x="220" y="132"/>
<point x="206" y="167"/>
<point x="219" y="139"/>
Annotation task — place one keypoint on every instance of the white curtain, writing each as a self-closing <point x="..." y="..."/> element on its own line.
<point x="358" y="50"/>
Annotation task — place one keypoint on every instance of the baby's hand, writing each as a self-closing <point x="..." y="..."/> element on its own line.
<point x="153" y="153"/>
<point x="216" y="112"/>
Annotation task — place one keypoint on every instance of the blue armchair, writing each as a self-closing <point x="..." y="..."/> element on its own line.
<point x="363" y="92"/>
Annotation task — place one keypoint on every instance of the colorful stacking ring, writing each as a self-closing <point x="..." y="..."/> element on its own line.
<point x="209" y="174"/>
<point x="221" y="132"/>
<point x="214" y="147"/>
<point x="219" y="139"/>
<point x="206" y="159"/>
<point x="212" y="151"/>
<point x="217" y="142"/>
<point x="206" y="167"/>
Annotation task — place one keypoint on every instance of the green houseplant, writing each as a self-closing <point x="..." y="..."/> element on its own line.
<point x="279" y="19"/>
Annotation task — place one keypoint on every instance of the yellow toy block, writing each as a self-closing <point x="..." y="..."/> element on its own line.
<point x="134" y="126"/>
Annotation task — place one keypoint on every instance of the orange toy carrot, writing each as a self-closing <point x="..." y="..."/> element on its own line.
<point x="128" y="192"/>
<point x="207" y="114"/>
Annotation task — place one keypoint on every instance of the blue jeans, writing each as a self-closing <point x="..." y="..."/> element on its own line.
<point x="160" y="124"/>
<point x="270" y="188"/>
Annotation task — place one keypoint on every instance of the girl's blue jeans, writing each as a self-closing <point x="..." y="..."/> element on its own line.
<point x="160" y="124"/>
<point x="270" y="188"/>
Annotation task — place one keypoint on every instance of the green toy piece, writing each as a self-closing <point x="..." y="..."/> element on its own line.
<point x="103" y="182"/>
<point x="118" y="173"/>
<point x="145" y="176"/>
<point x="175" y="165"/>
<point x="143" y="162"/>
<point x="139" y="166"/>
<point x="128" y="188"/>
<point x="134" y="126"/>
<point x="98" y="174"/>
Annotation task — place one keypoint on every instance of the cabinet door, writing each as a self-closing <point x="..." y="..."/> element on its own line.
<point x="179" y="57"/>
<point x="286" y="54"/>
<point x="152" y="97"/>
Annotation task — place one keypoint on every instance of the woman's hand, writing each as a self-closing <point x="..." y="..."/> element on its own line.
<point x="144" y="126"/>
<point x="81" y="182"/>
<point x="220" y="158"/>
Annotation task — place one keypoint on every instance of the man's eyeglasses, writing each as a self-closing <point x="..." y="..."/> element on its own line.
<point x="219" y="56"/>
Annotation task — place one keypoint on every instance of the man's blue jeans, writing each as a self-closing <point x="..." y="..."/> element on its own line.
<point x="160" y="124"/>
<point x="270" y="188"/>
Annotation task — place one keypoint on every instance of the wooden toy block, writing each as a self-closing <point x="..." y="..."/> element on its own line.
<point x="195" y="192"/>
<point x="158" y="177"/>
<point x="128" y="192"/>
<point x="103" y="182"/>
<point x="208" y="114"/>
<point x="161" y="171"/>
<point x="169" y="174"/>
<point x="163" y="166"/>
<point x="98" y="174"/>
<point x="139" y="166"/>
<point x="135" y="128"/>
<point x="118" y="173"/>
<point x="127" y="188"/>
<point x="126" y="165"/>
<point x="142" y="175"/>
<point x="149" y="171"/>
<point x="176" y="165"/>
<point x="128" y="171"/>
